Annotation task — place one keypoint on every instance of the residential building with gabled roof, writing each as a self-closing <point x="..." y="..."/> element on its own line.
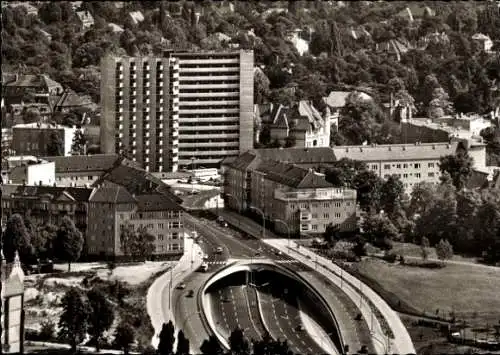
<point x="86" y="19"/>
<point x="293" y="199"/>
<point x="70" y="100"/>
<point x="27" y="87"/>
<point x="141" y="200"/>
<point x="135" y="17"/>
<point x="412" y="163"/>
<point x="302" y="122"/>
<point x="395" y="48"/>
<point x="484" y="41"/>
<point x="102" y="211"/>
<point x="81" y="170"/>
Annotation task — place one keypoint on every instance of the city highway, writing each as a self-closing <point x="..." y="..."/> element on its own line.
<point x="238" y="309"/>
<point x="282" y="315"/>
<point x="232" y="309"/>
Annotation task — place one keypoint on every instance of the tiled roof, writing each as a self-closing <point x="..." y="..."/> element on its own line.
<point x="297" y="155"/>
<point x="280" y="116"/>
<point x="393" y="152"/>
<point x="115" y="28"/>
<point x="155" y="202"/>
<point x="243" y="162"/>
<point x="480" y="36"/>
<point x="112" y="194"/>
<point x="8" y="189"/>
<point x="81" y="194"/>
<point x="308" y="117"/>
<point x="291" y="175"/>
<point x="137" y="181"/>
<point x="83" y="163"/>
<point x="29" y="80"/>
<point x="85" y="16"/>
<point x="136" y="16"/>
<point x="72" y="99"/>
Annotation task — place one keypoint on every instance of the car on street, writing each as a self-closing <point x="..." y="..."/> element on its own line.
<point x="219" y="250"/>
<point x="181" y="286"/>
<point x="278" y="252"/>
<point x="221" y="221"/>
<point x="204" y="267"/>
<point x="190" y="293"/>
<point x="225" y="299"/>
<point x="299" y="328"/>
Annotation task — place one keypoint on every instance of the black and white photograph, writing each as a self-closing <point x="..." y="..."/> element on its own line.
<point x="220" y="177"/>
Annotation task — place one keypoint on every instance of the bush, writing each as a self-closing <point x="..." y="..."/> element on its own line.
<point x="47" y="330"/>
<point x="390" y="258"/>
<point x="425" y="264"/>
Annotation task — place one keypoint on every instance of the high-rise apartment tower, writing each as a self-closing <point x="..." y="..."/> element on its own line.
<point x="140" y="103"/>
<point x="185" y="109"/>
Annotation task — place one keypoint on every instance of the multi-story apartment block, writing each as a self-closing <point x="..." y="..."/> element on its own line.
<point x="294" y="199"/>
<point x="113" y="208"/>
<point x="82" y="170"/>
<point x="215" y="106"/>
<point x="140" y="110"/>
<point x="27" y="170"/>
<point x="47" y="204"/>
<point x="34" y="138"/>
<point x="125" y="194"/>
<point x="178" y="110"/>
<point x="412" y="163"/>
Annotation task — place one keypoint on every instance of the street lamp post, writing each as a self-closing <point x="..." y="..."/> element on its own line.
<point x="263" y="219"/>
<point x="239" y="207"/>
<point x="287" y="228"/>
<point x="170" y="288"/>
<point x="192" y="175"/>
<point x="360" y="295"/>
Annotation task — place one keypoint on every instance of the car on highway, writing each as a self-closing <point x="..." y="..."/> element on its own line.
<point x="204" y="267"/>
<point x="181" y="286"/>
<point x="190" y="293"/>
<point x="219" y="250"/>
<point x="205" y="257"/>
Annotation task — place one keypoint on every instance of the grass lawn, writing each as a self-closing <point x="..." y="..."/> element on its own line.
<point x="471" y="292"/>
<point x="409" y="249"/>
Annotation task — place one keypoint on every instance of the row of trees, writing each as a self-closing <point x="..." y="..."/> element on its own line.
<point x="46" y="241"/>
<point x="137" y="244"/>
<point x="469" y="220"/>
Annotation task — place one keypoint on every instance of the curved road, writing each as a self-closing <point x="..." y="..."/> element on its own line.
<point x="240" y="299"/>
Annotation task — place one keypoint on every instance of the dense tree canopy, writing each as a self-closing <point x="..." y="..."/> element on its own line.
<point x="343" y="46"/>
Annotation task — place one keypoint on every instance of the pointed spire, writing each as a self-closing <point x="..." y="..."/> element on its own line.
<point x="17" y="260"/>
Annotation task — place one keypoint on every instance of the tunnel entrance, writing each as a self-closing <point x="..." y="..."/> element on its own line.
<point x="262" y="300"/>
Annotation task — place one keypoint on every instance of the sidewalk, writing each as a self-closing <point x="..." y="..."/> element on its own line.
<point x="317" y="333"/>
<point x="402" y="343"/>
<point x="158" y="294"/>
